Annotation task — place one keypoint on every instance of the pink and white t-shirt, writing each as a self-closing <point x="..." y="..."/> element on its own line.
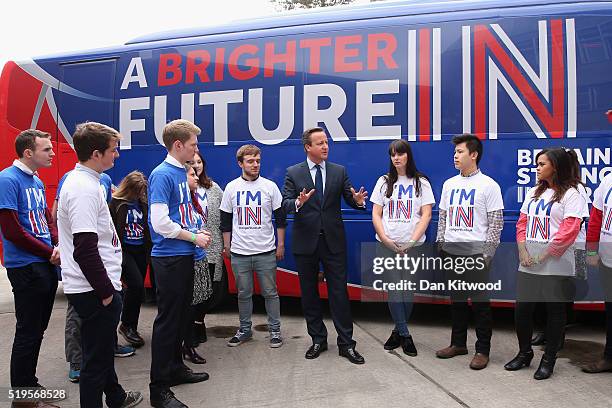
<point x="543" y="220"/>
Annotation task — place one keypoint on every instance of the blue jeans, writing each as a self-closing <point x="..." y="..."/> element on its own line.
<point x="400" y="302"/>
<point x="264" y="265"/>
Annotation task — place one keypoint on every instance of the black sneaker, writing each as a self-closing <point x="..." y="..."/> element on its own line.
<point x="393" y="341"/>
<point x="408" y="346"/>
<point x="276" y="340"/>
<point x="132" y="398"/>
<point x="239" y="338"/>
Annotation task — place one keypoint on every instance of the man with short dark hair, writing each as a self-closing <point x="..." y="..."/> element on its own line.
<point x="470" y="222"/>
<point x="91" y="264"/>
<point x="28" y="238"/>
<point x="170" y="222"/>
<point x="248" y="234"/>
<point x="312" y="192"/>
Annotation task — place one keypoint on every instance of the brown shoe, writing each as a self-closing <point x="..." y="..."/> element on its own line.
<point x="601" y="366"/>
<point x="479" y="361"/>
<point x="451" y="351"/>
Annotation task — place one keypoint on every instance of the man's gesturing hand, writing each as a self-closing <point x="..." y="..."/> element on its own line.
<point x="360" y="196"/>
<point x="303" y="197"/>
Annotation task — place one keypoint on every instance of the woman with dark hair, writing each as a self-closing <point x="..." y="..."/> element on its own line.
<point x="208" y="195"/>
<point x="549" y="223"/>
<point x="128" y="209"/>
<point x="402" y="200"/>
<point x="539" y="338"/>
<point x="202" y="288"/>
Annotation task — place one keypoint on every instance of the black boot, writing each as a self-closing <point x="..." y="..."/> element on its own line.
<point x="522" y="359"/>
<point x="393" y="342"/>
<point x="562" y="341"/>
<point x="545" y="370"/>
<point x="200" y="332"/>
<point x="538" y="339"/>
<point x="408" y="346"/>
<point x="191" y="354"/>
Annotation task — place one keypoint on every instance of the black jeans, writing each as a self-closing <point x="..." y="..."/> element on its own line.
<point x="34" y="288"/>
<point x="334" y="268"/>
<point x="554" y="292"/>
<point x="133" y="272"/>
<point x="98" y="333"/>
<point x="174" y="283"/>
<point x="481" y="306"/>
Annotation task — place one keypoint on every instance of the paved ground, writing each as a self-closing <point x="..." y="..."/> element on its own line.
<point x="253" y="375"/>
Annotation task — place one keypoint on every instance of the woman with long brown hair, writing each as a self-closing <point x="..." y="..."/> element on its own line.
<point x="549" y="223"/>
<point x="402" y="201"/>
<point x="129" y="210"/>
<point x="208" y="195"/>
<point x="202" y="287"/>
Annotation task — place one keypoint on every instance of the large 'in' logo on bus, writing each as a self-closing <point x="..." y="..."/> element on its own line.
<point x="538" y="221"/>
<point x="461" y="209"/>
<point x="401" y="209"/>
<point x="248" y="208"/>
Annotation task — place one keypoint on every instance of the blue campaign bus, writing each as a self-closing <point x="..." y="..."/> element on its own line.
<point x="522" y="75"/>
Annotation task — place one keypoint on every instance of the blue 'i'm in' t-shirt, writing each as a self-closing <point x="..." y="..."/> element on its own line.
<point x="168" y="185"/>
<point x="134" y="225"/>
<point x="25" y="194"/>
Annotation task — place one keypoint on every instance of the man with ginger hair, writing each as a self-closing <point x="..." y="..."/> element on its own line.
<point x="171" y="219"/>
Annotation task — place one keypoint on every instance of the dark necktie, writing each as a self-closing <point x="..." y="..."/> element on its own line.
<point x="319" y="183"/>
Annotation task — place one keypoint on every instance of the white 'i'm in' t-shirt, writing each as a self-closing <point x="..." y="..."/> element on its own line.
<point x="251" y="204"/>
<point x="543" y="220"/>
<point x="402" y="211"/>
<point x="602" y="200"/>
<point x="467" y="200"/>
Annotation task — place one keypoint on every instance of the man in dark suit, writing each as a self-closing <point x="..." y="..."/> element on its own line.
<point x="312" y="192"/>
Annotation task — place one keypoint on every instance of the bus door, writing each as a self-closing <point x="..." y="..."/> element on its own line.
<point x="86" y="94"/>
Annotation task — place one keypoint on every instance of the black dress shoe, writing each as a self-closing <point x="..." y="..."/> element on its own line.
<point x="545" y="370"/>
<point x="188" y="378"/>
<point x="131" y="335"/>
<point x="314" y="350"/>
<point x="538" y="339"/>
<point x="522" y="359"/>
<point x="352" y="355"/>
<point x="166" y="399"/>
<point x="191" y="354"/>
<point x="393" y="342"/>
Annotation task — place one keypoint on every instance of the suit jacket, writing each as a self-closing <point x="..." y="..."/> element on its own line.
<point x="314" y="216"/>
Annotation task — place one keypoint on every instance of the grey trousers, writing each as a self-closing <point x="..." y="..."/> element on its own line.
<point x="72" y="336"/>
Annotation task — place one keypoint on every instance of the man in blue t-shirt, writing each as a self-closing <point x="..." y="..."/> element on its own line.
<point x="28" y="238"/>
<point x="170" y="220"/>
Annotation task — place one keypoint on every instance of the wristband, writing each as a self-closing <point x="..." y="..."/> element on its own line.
<point x="591" y="253"/>
<point x="193" y="237"/>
